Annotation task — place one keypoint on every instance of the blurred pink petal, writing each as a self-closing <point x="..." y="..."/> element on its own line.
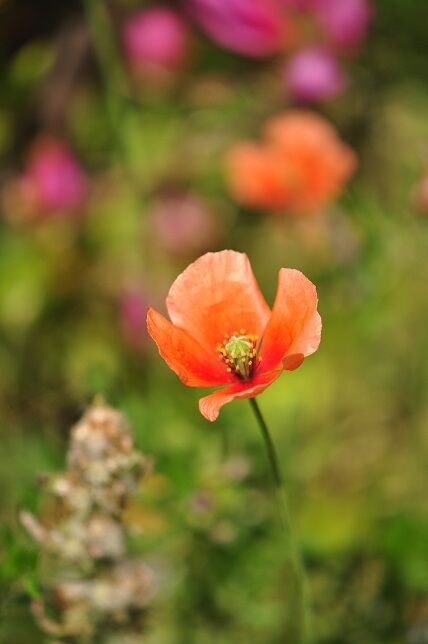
<point x="183" y="223"/>
<point x="156" y="36"/>
<point x="314" y="75"/>
<point x="420" y="194"/>
<point x="255" y="28"/>
<point x="345" y="21"/>
<point x="53" y="181"/>
<point x="133" y="314"/>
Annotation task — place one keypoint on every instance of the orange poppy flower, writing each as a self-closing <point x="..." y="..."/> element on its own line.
<point x="258" y="176"/>
<point x="222" y="332"/>
<point x="301" y="166"/>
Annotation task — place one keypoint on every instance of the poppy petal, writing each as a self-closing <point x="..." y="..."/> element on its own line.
<point x="210" y="406"/>
<point x="292" y="362"/>
<point x="295" y="324"/>
<point x="192" y="364"/>
<point x="217" y="296"/>
<point x="257" y="176"/>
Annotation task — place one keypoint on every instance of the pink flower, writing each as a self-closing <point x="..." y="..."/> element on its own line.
<point x="53" y="181"/>
<point x="156" y="37"/>
<point x="133" y="313"/>
<point x="183" y="223"/>
<point x="313" y="74"/>
<point x="256" y="28"/>
<point x="345" y="22"/>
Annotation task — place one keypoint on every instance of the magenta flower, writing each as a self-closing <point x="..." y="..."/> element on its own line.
<point x="256" y="28"/>
<point x="345" y="22"/>
<point x="156" y="37"/>
<point x="53" y="181"/>
<point x="313" y="75"/>
<point x="183" y="223"/>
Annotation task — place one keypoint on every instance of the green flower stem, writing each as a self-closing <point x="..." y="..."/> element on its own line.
<point x="298" y="603"/>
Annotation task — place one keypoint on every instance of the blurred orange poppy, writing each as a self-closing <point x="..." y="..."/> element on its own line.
<point x="300" y="167"/>
<point x="222" y="332"/>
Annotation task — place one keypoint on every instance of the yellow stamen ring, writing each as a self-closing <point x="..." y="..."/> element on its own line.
<point x="239" y="352"/>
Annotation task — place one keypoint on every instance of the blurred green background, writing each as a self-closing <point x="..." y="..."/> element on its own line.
<point x="350" y="425"/>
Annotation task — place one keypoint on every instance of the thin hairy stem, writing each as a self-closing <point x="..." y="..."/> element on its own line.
<point x="298" y="613"/>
